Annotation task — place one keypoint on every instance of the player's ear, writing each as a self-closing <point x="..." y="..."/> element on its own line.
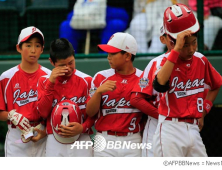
<point x="51" y="62"/>
<point x="162" y="39"/>
<point x="128" y="56"/>
<point x="18" y="48"/>
<point x="42" y="49"/>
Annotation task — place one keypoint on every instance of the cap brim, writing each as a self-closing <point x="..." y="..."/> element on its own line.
<point x="65" y="140"/>
<point x="108" y="48"/>
<point x="194" y="29"/>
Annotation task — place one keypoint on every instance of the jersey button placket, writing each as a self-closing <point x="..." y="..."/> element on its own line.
<point x="63" y="89"/>
<point x="30" y="83"/>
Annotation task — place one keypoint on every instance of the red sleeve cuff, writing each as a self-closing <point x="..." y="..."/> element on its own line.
<point x="84" y="128"/>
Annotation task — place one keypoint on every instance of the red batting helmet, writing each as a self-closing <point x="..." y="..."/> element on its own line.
<point x="179" y="18"/>
<point x="63" y="113"/>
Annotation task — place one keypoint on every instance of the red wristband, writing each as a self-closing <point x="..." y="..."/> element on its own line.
<point x="173" y="56"/>
<point x="207" y="105"/>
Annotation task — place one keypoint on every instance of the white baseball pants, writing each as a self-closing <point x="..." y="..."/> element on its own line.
<point x="56" y="149"/>
<point x="122" y="152"/>
<point x="14" y="147"/>
<point x="148" y="133"/>
<point x="177" y="139"/>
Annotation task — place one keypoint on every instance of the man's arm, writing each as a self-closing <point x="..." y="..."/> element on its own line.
<point x="138" y="100"/>
<point x="93" y="104"/>
<point x="45" y="98"/>
<point x="208" y="103"/>
<point x="164" y="74"/>
<point x="3" y="115"/>
<point x="46" y="90"/>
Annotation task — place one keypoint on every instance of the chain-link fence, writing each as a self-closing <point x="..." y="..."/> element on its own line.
<point x="141" y="18"/>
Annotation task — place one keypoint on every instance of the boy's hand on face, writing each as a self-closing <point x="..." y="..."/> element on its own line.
<point x="109" y="85"/>
<point x="56" y="72"/>
<point x="181" y="38"/>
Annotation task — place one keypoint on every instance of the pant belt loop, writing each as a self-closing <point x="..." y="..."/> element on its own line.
<point x="129" y="133"/>
<point x="195" y="122"/>
<point x="115" y="133"/>
<point x="174" y="119"/>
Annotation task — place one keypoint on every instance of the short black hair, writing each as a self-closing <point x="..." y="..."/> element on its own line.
<point x="133" y="56"/>
<point x="61" y="48"/>
<point x="35" y="35"/>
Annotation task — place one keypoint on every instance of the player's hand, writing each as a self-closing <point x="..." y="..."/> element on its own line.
<point x="109" y="85"/>
<point x="201" y="123"/>
<point x="72" y="129"/>
<point x="39" y="133"/>
<point x="201" y="120"/>
<point x="26" y="136"/>
<point x="58" y="71"/>
<point x="181" y="40"/>
<point x="19" y="120"/>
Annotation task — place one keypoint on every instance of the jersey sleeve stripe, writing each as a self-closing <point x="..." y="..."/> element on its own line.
<point x="46" y="70"/>
<point x="138" y="72"/>
<point x="8" y="74"/>
<point x="167" y="102"/>
<point x="83" y="76"/>
<point x="105" y="73"/>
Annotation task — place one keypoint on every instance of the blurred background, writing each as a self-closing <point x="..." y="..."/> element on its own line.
<point x="141" y="18"/>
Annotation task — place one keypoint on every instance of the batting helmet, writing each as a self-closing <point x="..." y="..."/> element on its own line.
<point x="63" y="113"/>
<point x="179" y="18"/>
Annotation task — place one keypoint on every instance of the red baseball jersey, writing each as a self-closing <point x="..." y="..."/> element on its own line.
<point x="187" y="83"/>
<point x="75" y="88"/>
<point x="19" y="91"/>
<point x="145" y="84"/>
<point x="116" y="114"/>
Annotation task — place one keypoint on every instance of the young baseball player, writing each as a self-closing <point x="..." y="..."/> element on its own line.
<point x="65" y="82"/>
<point x="110" y="97"/>
<point x="18" y="96"/>
<point x="146" y="99"/>
<point x="183" y="77"/>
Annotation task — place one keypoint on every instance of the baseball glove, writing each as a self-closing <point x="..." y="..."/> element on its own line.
<point x="19" y="120"/>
